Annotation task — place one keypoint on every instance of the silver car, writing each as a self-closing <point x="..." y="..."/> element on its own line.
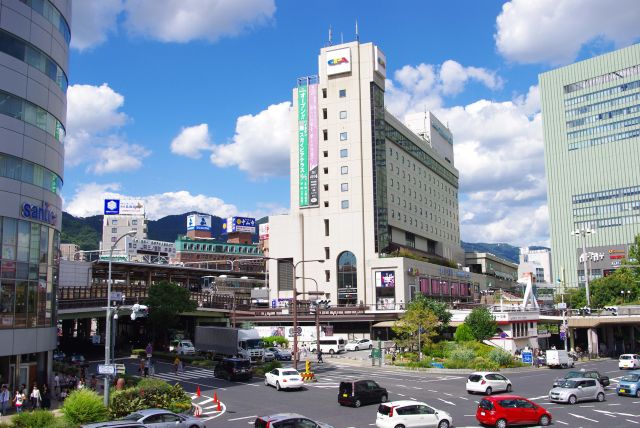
<point x="160" y="418"/>
<point x="580" y="389"/>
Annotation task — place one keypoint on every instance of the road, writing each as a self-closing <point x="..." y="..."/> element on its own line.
<point x="241" y="402"/>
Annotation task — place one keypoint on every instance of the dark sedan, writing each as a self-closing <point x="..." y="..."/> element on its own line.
<point x="281" y="354"/>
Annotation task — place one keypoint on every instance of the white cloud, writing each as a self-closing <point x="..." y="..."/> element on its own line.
<point x="88" y="200"/>
<point x="93" y="123"/>
<point x="454" y="76"/>
<point x="553" y="31"/>
<point x="93" y="20"/>
<point x="260" y="146"/>
<point x="191" y="141"/>
<point x="167" y="20"/>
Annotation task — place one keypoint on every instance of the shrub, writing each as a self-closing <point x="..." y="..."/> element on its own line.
<point x="149" y="393"/>
<point x="141" y="353"/>
<point x="35" y="419"/>
<point x="273" y="340"/>
<point x="480" y="363"/>
<point x="502" y="358"/>
<point x="436" y="350"/>
<point x="84" y="406"/>
<point x="462" y="353"/>
<point x="203" y="363"/>
<point x="456" y="364"/>
<point x="463" y="333"/>
<point x="267" y="367"/>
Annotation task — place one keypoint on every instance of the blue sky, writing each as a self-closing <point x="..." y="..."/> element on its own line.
<point x="186" y="103"/>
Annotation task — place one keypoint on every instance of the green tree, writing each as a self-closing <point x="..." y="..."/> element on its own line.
<point x="417" y="324"/>
<point x="463" y="333"/>
<point x="441" y="311"/>
<point x="166" y="302"/>
<point x="482" y="323"/>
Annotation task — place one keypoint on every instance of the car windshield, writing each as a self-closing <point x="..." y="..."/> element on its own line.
<point x="571" y="375"/>
<point x="475" y="378"/>
<point x="486" y="404"/>
<point x="569" y="384"/>
<point x="289" y="373"/>
<point x="384" y="410"/>
<point x="354" y="341"/>
<point x="133" y="417"/>
<point x="242" y="364"/>
<point x="631" y="378"/>
<point x="625" y="357"/>
<point x="254" y="344"/>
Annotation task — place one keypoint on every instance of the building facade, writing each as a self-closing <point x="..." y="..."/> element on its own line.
<point x="120" y="217"/>
<point x="34" y="53"/>
<point x="591" y="125"/>
<point x="374" y="206"/>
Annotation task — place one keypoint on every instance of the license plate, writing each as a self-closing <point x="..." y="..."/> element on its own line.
<point x="345" y="395"/>
<point x="623" y="390"/>
<point x="482" y="413"/>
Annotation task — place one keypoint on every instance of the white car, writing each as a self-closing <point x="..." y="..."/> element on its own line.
<point x="184" y="347"/>
<point x="629" y="361"/>
<point x="409" y="413"/>
<point x="358" y="344"/>
<point x="284" y="379"/>
<point x="487" y="383"/>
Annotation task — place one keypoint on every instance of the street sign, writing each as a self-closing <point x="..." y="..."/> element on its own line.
<point x="120" y="369"/>
<point x="561" y="306"/>
<point x="116" y="295"/>
<point x="563" y="335"/>
<point x="527" y="357"/>
<point x="503" y="335"/>
<point x="107" y="369"/>
<point x="376" y="353"/>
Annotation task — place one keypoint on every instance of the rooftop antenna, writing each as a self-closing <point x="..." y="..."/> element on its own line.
<point x="330" y="42"/>
<point x="357" y="34"/>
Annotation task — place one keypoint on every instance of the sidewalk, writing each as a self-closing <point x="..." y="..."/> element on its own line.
<point x="12" y="411"/>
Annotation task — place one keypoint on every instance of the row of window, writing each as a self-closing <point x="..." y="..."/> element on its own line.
<point x="51" y="14"/>
<point x="21" y="109"/>
<point x="418" y="197"/>
<point x="25" y="241"/>
<point x="604" y="140"/>
<point x="614" y="126"/>
<point x="602" y="79"/>
<point x="604" y="93"/>
<point x="26" y="52"/>
<point x="608" y="222"/>
<point x="422" y="226"/>
<point x="437" y="287"/>
<point x="605" y="104"/>
<point x="217" y="248"/>
<point x="605" y="194"/>
<point x="604" y="116"/>
<point x="29" y="172"/>
<point x="401" y="203"/>
<point x="606" y="209"/>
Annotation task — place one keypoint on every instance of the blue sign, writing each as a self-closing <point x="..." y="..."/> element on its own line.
<point x="563" y="335"/>
<point x="240" y="224"/>
<point x="111" y="206"/>
<point x="274" y="303"/>
<point x="527" y="357"/>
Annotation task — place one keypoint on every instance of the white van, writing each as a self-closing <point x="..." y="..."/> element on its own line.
<point x="330" y="345"/>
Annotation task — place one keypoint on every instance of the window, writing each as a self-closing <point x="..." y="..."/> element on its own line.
<point x="344" y="170"/>
<point x="134" y="222"/>
<point x="326" y="227"/>
<point x="344" y="204"/>
<point x="344" y="187"/>
<point x="342" y="93"/>
<point x="343" y="136"/>
<point x="324" y="113"/>
<point x="347" y="278"/>
<point x="325" y="154"/>
<point x="327" y="275"/>
<point x="114" y="221"/>
<point x="344" y="153"/>
<point x="324" y="92"/>
<point x="325" y="134"/>
<point x="114" y="230"/>
<point x="327" y="255"/>
<point x="326" y="187"/>
<point x="343" y="114"/>
<point x="113" y="239"/>
<point x="325" y="170"/>
<point x="326" y="204"/>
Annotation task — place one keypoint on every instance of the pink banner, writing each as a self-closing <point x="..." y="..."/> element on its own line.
<point x="314" y="148"/>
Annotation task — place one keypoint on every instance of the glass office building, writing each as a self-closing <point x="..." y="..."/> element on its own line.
<point x="34" y="53"/>
<point x="591" y="123"/>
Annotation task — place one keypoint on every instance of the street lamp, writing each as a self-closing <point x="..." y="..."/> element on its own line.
<point x="317" y="293"/>
<point x="107" y="330"/>
<point x="294" y="307"/>
<point x="584" y="232"/>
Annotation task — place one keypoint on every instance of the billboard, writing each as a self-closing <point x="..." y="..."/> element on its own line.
<point x="308" y="141"/>
<point x="386" y="279"/>
<point x="303" y="145"/>
<point x="263" y="231"/>
<point x="137" y="246"/>
<point x="199" y="222"/>
<point x="338" y="61"/>
<point x="380" y="64"/>
<point x="123" y="207"/>
<point x="240" y="224"/>
<point x="314" y="148"/>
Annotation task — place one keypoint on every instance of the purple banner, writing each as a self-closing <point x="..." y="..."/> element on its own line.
<point x="314" y="148"/>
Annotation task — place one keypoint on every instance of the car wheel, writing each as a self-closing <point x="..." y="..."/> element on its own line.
<point x="266" y="383"/>
<point x="278" y="385"/>
<point x="638" y="393"/>
<point x="489" y="391"/>
<point x="509" y="387"/>
<point x="331" y="351"/>
<point x="194" y="426"/>
<point x="573" y="399"/>
<point x="357" y="403"/>
<point x="601" y="397"/>
<point x="502" y="423"/>
<point x="443" y="424"/>
<point x="544" y="420"/>
<point x="370" y="346"/>
<point x="383" y="399"/>
<point x="357" y="348"/>
<point x="399" y="426"/>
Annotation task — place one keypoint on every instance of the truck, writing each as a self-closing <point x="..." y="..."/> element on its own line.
<point x="559" y="358"/>
<point x="230" y="342"/>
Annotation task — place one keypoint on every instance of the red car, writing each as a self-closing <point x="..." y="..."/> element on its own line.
<point x="506" y="410"/>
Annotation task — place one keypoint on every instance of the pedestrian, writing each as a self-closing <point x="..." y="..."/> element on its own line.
<point x="46" y="397"/>
<point x="35" y="397"/>
<point x="176" y="363"/>
<point x="56" y="385"/>
<point x="320" y="356"/>
<point x="152" y="367"/>
<point x="146" y="368"/>
<point x="63" y="394"/>
<point x="81" y="383"/>
<point x="18" y="400"/>
<point x="149" y="350"/>
<point x="94" y="383"/>
<point x="141" y="367"/>
<point x="5" y="400"/>
<point x="180" y="367"/>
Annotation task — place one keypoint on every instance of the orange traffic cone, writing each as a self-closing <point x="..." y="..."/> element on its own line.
<point x="219" y="409"/>
<point x="198" y="391"/>
<point x="215" y="397"/>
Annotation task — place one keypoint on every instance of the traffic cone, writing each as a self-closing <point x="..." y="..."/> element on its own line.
<point x="215" y="397"/>
<point x="219" y="408"/>
<point x="198" y="391"/>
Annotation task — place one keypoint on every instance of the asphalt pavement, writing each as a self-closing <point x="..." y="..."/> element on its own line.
<point x="242" y="402"/>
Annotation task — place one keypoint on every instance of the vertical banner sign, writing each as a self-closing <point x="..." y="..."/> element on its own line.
<point x="303" y="145"/>
<point x="314" y="148"/>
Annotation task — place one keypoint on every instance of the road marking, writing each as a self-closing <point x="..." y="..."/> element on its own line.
<point x="616" y="413"/>
<point x="416" y="387"/>
<point x="464" y="398"/>
<point x="590" y="405"/>
<point x="431" y="390"/>
<point x="413" y="398"/>
<point x="633" y="422"/>
<point x="539" y="398"/>
<point x="401" y="395"/>
<point x="450" y="395"/>
<point x="445" y="401"/>
<point x="244" y="417"/>
<point x="583" y="417"/>
<point x="617" y="404"/>
<point x="560" y="422"/>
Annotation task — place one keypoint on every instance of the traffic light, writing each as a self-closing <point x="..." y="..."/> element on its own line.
<point x="139" y="311"/>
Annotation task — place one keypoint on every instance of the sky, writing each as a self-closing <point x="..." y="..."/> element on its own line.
<point x="186" y="103"/>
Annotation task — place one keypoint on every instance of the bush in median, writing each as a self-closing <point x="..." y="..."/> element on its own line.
<point x="149" y="393"/>
<point x="35" y="419"/>
<point x="84" y="406"/>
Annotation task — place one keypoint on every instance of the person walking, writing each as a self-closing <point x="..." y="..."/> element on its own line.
<point x="18" y="400"/>
<point x="146" y="368"/>
<point x="180" y="366"/>
<point x="141" y="367"/>
<point x="94" y="383"/>
<point x="46" y="397"/>
<point x="36" y="397"/>
<point x="5" y="400"/>
<point x="176" y="363"/>
<point x="320" y="356"/>
<point x="56" y="385"/>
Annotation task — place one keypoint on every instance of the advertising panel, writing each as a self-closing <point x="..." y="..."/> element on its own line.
<point x="240" y="224"/>
<point x="303" y="145"/>
<point x="338" y="61"/>
<point x="263" y="231"/>
<point x="385" y="279"/>
<point x="314" y="148"/>
<point x="199" y="222"/>
<point x="380" y="62"/>
<point x="111" y="206"/>
<point x="123" y="207"/>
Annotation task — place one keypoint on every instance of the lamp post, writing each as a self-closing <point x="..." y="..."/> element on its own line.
<point x="294" y="307"/>
<point x="107" y="330"/>
<point x="584" y="232"/>
<point x="317" y="293"/>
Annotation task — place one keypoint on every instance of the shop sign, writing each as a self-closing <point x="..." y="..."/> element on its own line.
<point x="43" y="213"/>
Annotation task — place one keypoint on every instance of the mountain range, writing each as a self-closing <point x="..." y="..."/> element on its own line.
<point x="86" y="232"/>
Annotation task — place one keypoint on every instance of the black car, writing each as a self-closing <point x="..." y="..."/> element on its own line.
<point x="281" y="354"/>
<point x="233" y="369"/>
<point x="361" y="392"/>
<point x="592" y="374"/>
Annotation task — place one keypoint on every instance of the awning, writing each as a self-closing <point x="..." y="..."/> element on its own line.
<point x="384" y="324"/>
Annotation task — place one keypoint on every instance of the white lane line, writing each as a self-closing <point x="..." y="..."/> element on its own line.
<point x="413" y="398"/>
<point x="416" y="387"/>
<point x="632" y="421"/>
<point x="432" y="390"/>
<point x="583" y="417"/>
<point x="447" y="394"/>
<point x="612" y="371"/>
<point x="615" y="404"/>
<point x="538" y="398"/>
<point x="401" y="395"/>
<point x="588" y="406"/>
<point x="464" y="398"/>
<point x="244" y="417"/>
<point x="445" y="401"/>
<point x="616" y="413"/>
<point x="560" y="422"/>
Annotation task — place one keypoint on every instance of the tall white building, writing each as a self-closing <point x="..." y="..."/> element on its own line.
<point x="536" y="262"/>
<point x="120" y="217"/>
<point x="366" y="190"/>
